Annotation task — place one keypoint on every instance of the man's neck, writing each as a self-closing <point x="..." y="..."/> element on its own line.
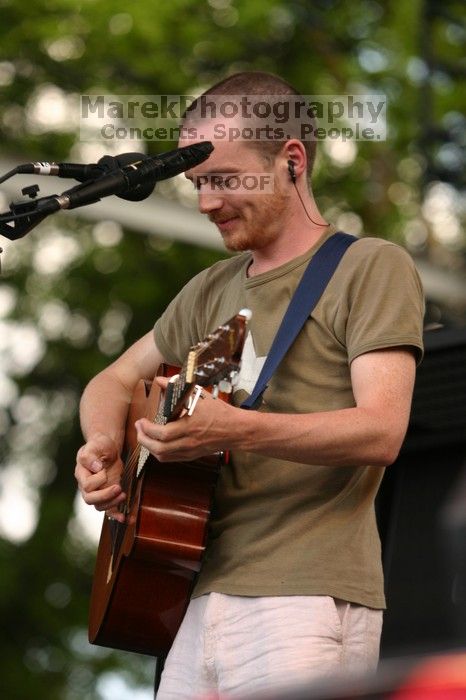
<point x="284" y="249"/>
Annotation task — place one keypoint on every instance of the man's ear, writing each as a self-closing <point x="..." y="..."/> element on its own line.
<point x="295" y="158"/>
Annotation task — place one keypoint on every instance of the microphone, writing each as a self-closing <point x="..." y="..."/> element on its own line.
<point x="83" y="173"/>
<point x="135" y="180"/>
<point x="76" y="171"/>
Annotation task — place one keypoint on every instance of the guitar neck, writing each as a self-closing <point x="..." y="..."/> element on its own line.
<point x="176" y="393"/>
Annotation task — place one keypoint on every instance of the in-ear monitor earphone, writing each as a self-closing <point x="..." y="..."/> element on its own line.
<point x="291" y="171"/>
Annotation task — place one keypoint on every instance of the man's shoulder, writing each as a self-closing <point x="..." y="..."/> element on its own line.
<point x="374" y="262"/>
<point x="368" y="248"/>
<point x="371" y="243"/>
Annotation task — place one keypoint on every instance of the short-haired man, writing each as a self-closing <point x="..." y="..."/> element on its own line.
<point x="291" y="588"/>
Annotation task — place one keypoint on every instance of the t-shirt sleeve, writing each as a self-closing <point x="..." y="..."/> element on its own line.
<point x="181" y="324"/>
<point x="386" y="303"/>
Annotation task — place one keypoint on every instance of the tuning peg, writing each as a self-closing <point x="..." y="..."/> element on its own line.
<point x="225" y="386"/>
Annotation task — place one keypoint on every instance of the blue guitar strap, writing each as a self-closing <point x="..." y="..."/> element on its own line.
<point x="308" y="292"/>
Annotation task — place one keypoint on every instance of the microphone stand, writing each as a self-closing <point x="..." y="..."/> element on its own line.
<point x="25" y="217"/>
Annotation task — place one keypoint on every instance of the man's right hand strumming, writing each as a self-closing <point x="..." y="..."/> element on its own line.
<point x="98" y="471"/>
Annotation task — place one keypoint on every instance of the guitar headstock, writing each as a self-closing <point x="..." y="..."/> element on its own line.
<point x="214" y="359"/>
<point x="219" y="355"/>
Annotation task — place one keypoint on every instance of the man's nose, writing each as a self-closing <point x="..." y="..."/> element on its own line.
<point x="209" y="202"/>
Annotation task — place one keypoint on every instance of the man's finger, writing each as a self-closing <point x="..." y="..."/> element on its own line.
<point x="114" y="514"/>
<point x="162" y="382"/>
<point x="104" y="498"/>
<point x="96" y="465"/>
<point x="148" y="429"/>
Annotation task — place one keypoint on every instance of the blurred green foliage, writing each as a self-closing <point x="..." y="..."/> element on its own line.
<point x="72" y="319"/>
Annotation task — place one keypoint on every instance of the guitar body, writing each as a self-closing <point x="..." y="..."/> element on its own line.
<point x="146" y="567"/>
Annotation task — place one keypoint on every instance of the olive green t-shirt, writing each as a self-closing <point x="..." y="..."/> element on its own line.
<point x="280" y="527"/>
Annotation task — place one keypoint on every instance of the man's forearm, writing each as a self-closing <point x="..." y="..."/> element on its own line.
<point x="105" y="401"/>
<point x="346" y="437"/>
<point x="104" y="408"/>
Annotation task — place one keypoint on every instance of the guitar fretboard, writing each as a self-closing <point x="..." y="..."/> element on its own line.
<point x="143" y="451"/>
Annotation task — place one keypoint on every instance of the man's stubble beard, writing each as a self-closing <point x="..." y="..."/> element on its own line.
<point x="264" y="228"/>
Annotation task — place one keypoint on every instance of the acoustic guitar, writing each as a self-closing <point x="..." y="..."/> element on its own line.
<point x="146" y="566"/>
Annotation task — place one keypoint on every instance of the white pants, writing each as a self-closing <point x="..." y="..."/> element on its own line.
<point x="236" y="645"/>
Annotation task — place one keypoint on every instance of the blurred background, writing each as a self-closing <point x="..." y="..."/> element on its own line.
<point x="85" y="284"/>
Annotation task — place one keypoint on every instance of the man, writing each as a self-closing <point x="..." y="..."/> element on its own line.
<point x="291" y="586"/>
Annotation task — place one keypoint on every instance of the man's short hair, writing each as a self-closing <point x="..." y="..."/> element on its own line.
<point x="256" y="83"/>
